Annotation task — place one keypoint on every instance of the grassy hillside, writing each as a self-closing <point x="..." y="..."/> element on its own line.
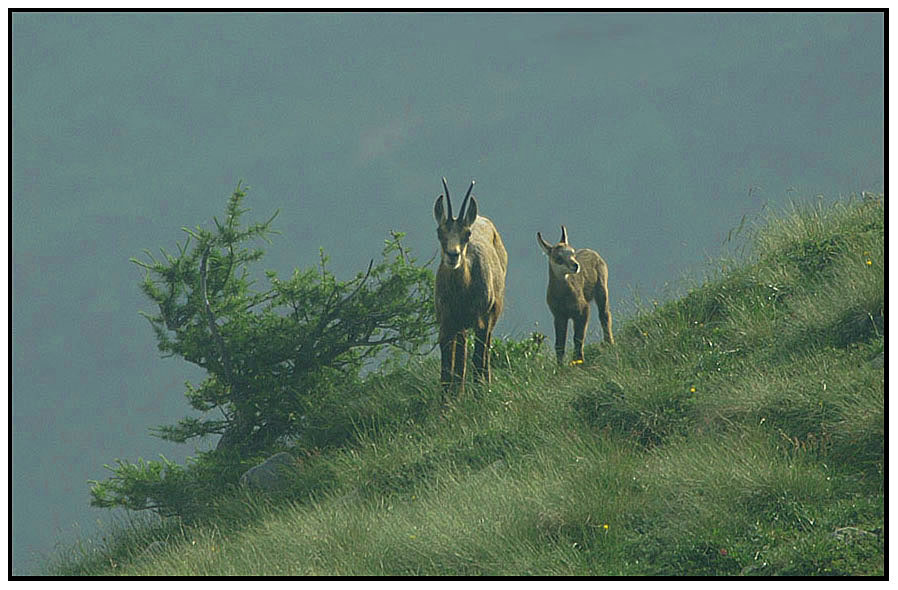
<point x="736" y="431"/>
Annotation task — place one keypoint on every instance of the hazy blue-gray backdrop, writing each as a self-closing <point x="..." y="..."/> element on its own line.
<point x="648" y="135"/>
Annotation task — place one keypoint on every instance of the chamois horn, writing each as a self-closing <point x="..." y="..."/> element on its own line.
<point x="448" y="202"/>
<point x="464" y="203"/>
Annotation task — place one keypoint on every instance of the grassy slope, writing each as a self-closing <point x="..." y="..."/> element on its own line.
<point x="738" y="430"/>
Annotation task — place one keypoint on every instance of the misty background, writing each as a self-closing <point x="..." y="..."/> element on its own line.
<point x="648" y="135"/>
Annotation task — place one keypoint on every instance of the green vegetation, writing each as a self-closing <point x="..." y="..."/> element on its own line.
<point x="738" y="430"/>
<point x="278" y="360"/>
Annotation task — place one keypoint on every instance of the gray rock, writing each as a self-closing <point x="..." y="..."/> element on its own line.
<point x="271" y="474"/>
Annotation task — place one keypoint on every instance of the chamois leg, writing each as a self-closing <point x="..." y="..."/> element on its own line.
<point x="560" y="337"/>
<point x="604" y="311"/>
<point x="486" y="353"/>
<point x="482" y="354"/>
<point x="580" y="323"/>
<point x="447" y="359"/>
<point x="461" y="358"/>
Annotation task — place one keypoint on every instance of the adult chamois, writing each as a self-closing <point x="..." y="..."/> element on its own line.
<point x="470" y="287"/>
<point x="576" y="277"/>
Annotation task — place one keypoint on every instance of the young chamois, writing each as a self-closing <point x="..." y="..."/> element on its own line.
<point x="470" y="287"/>
<point x="575" y="279"/>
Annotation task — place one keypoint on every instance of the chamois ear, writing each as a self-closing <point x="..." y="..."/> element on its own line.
<point x="542" y="243"/>
<point x="471" y="212"/>
<point x="438" y="212"/>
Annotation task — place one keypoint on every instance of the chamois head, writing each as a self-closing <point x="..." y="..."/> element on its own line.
<point x="454" y="234"/>
<point x="561" y="255"/>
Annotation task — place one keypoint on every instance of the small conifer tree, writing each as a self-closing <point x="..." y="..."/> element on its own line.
<point x="266" y="352"/>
